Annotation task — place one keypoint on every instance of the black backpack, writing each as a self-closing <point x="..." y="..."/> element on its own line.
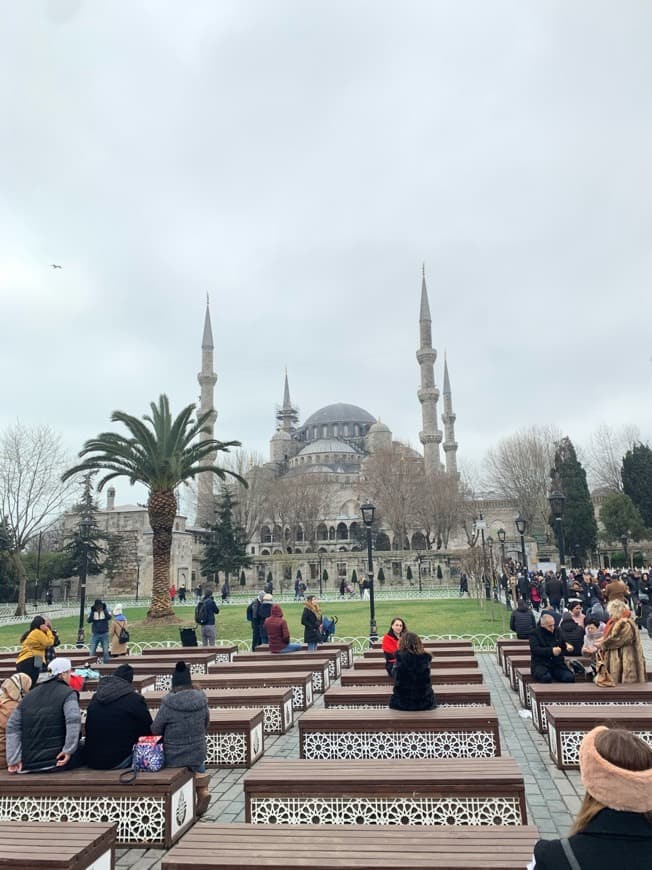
<point x="200" y="613"/>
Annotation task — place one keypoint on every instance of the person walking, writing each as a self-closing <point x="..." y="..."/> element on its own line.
<point x="182" y="720"/>
<point x="263" y="612"/>
<point x="613" y="827"/>
<point x="412" y="680"/>
<point x="252" y="617"/>
<point x="311" y="622"/>
<point x="119" y="627"/>
<point x="117" y="716"/>
<point x="34" y="645"/>
<point x="99" y="618"/>
<point x="205" y="614"/>
<point x="522" y="621"/>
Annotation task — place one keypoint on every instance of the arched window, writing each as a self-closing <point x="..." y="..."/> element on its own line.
<point x="353" y="530"/>
<point x="418" y="541"/>
<point x="346" y="430"/>
<point x="287" y="533"/>
<point x="298" y="534"/>
<point x="276" y="535"/>
<point x="335" y="430"/>
<point x="324" y="431"/>
<point x="331" y="533"/>
<point x="322" y="532"/>
<point x="342" y="532"/>
<point x="264" y="552"/>
<point x="382" y="541"/>
<point x="266" y="535"/>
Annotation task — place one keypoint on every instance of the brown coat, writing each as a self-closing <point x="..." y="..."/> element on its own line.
<point x="623" y="653"/>
<point x="7" y="707"/>
<point x="117" y="648"/>
<point x="616" y="589"/>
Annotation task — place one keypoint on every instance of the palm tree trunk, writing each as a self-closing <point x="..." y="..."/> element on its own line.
<point x="162" y="509"/>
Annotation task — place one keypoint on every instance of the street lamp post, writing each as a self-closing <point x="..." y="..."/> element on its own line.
<point x="623" y="540"/>
<point x="557" y="500"/>
<point x="368" y="511"/>
<point x="501" y="537"/>
<point x="84" y="531"/>
<point x="321" y="577"/>
<point x="494" y="587"/>
<point x="521" y="525"/>
<point x="504" y="581"/>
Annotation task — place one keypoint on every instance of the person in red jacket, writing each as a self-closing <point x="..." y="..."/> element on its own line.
<point x="278" y="633"/>
<point x="390" y="641"/>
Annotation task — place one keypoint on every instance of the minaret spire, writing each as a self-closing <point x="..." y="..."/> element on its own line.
<point x="207" y="380"/>
<point x="428" y="394"/>
<point x="448" y="419"/>
<point x="287" y="415"/>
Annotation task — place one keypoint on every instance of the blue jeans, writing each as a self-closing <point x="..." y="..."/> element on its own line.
<point x="312" y="646"/>
<point x="97" y="640"/>
<point x="290" y="648"/>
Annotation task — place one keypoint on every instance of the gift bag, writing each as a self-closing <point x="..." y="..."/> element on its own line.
<point x="148" y="754"/>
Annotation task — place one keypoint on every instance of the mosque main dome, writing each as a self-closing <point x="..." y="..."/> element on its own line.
<point x="336" y="421"/>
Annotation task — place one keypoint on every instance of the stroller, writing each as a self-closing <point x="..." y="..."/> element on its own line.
<point x="328" y="624"/>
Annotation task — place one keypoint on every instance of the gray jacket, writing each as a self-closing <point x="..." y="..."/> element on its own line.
<point x="182" y="720"/>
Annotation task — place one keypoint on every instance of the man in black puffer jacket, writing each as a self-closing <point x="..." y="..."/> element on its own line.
<point x="117" y="716"/>
<point x="522" y="621"/>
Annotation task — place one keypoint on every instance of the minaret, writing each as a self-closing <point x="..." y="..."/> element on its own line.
<point x="207" y="380"/>
<point x="448" y="419"/>
<point x="287" y="415"/>
<point x="428" y="393"/>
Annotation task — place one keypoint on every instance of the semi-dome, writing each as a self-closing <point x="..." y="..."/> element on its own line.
<point x="339" y="413"/>
<point x="326" y="445"/>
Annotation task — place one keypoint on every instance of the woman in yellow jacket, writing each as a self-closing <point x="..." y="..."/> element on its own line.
<point x="34" y="642"/>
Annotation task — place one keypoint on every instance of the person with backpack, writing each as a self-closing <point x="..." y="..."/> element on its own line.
<point x="205" y="613"/>
<point x="99" y="618"/>
<point x="119" y="633"/>
<point x="252" y="617"/>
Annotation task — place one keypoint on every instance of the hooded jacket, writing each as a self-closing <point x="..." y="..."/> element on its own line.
<point x="183" y="720"/>
<point x="278" y="633"/>
<point x="116" y="717"/>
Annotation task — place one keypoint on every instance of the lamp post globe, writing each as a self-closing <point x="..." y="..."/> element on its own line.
<point x="521" y="526"/>
<point x="368" y="511"/>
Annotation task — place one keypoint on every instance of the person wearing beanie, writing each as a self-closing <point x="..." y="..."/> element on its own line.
<point x="119" y="624"/>
<point x="116" y="717"/>
<point x="278" y="633"/>
<point x="43" y="731"/>
<point x="613" y="827"/>
<point x="99" y="618"/>
<point x="182" y="721"/>
<point x="263" y="612"/>
<point x="12" y="692"/>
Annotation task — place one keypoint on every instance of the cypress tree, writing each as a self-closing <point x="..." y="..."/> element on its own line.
<point x="620" y="516"/>
<point x="637" y="480"/>
<point x="579" y="525"/>
<point x="381" y="576"/>
<point x="226" y="549"/>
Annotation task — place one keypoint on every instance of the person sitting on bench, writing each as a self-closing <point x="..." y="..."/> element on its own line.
<point x="548" y="650"/>
<point x="43" y="731"/>
<point x="412" y="682"/>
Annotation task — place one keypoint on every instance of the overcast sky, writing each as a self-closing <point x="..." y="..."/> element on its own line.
<point x="299" y="161"/>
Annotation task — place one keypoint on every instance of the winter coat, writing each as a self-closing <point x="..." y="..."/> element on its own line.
<point x="615" y="589"/>
<point x="542" y="642"/>
<point x="117" y="648"/>
<point x="99" y="620"/>
<point x="523" y="623"/>
<point x="412" y="683"/>
<point x="209" y="610"/>
<point x="183" y="720"/>
<point x="278" y="633"/>
<point x="48" y="720"/>
<point x="611" y="839"/>
<point x="623" y="653"/>
<point x="553" y="589"/>
<point x="117" y="716"/>
<point x="311" y="626"/>
<point x="35" y="645"/>
<point x="389" y="644"/>
<point x="571" y="632"/>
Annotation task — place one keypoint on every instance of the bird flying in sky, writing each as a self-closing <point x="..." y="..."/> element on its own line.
<point x="55" y="266"/>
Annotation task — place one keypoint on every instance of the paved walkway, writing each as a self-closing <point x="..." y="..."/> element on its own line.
<point x="553" y="796"/>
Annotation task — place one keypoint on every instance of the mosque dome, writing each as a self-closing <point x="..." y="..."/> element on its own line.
<point x="340" y="413"/>
<point x="327" y="445"/>
<point x="378" y="427"/>
<point x="281" y="435"/>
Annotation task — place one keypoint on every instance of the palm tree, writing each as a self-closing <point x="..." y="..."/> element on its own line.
<point x="159" y="453"/>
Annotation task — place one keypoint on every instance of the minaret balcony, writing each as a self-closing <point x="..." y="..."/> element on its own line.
<point x="430" y="437"/>
<point x="449" y="445"/>
<point x="426" y="355"/>
<point x="429" y="394"/>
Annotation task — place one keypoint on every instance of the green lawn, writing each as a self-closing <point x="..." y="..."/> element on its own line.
<point x="445" y="616"/>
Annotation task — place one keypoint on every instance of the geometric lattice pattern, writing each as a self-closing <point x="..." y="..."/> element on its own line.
<point x="271" y="715"/>
<point x="228" y="748"/>
<point x="139" y="819"/>
<point x="398" y="744"/>
<point x="570" y="744"/>
<point x="317" y="682"/>
<point x="366" y="706"/>
<point x="386" y="811"/>
<point x="544" y="718"/>
<point x="164" y="681"/>
<point x="223" y="657"/>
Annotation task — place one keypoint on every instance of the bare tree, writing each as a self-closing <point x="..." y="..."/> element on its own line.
<point x="438" y="506"/>
<point x="519" y="468"/>
<point x="391" y="477"/>
<point x="604" y="454"/>
<point x="32" y="496"/>
<point x="250" y="503"/>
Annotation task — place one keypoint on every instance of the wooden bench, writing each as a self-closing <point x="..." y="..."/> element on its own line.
<point x="512" y="662"/>
<point x="543" y="694"/>
<point x="567" y="725"/>
<point x="318" y="668"/>
<point x="437" y="644"/>
<point x="437" y="662"/>
<point x="519" y="650"/>
<point x="345" y="649"/>
<point x="235" y="738"/>
<point x="299" y="681"/>
<point x="375" y="697"/>
<point x="446" y="732"/>
<point x="70" y="846"/>
<point x="439" y="651"/>
<point x="507" y="641"/>
<point x="152" y="812"/>
<point x="380" y="677"/>
<point x="461" y="791"/>
<point x="333" y="656"/>
<point x="161" y="670"/>
<point x="276" y="704"/>
<point x="224" y="653"/>
<point x="143" y="683"/>
<point x="314" y="847"/>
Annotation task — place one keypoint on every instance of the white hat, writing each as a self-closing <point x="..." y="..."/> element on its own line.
<point x="59" y="666"/>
